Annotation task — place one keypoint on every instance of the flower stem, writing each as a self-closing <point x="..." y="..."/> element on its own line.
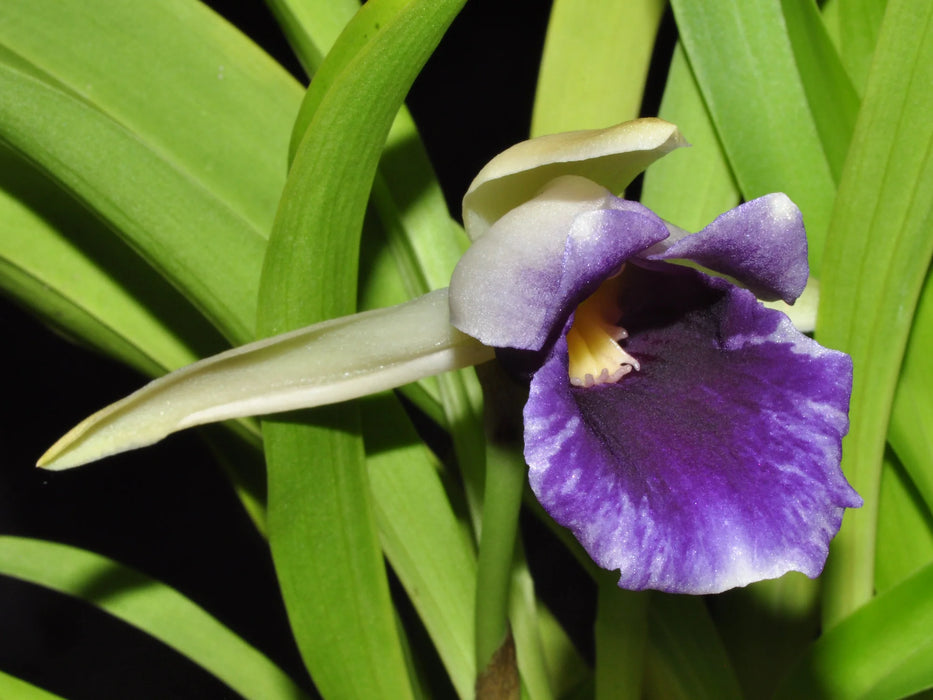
<point x="505" y="479"/>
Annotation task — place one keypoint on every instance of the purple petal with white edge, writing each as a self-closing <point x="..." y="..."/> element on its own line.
<point x="714" y="465"/>
<point x="761" y="243"/>
<point x="511" y="289"/>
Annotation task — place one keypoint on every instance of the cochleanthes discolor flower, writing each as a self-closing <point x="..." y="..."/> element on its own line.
<point x="687" y="435"/>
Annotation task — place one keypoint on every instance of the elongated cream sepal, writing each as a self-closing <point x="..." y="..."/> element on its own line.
<point x="333" y="361"/>
<point x="610" y="157"/>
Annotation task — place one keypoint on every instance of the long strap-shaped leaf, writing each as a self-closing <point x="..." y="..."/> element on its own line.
<point x="188" y="84"/>
<point x="832" y="99"/>
<point x="151" y="606"/>
<point x="321" y="523"/>
<point x="183" y="230"/>
<point x="756" y="99"/>
<point x="911" y="428"/>
<point x="884" y="650"/>
<point x="694" y="185"/>
<point x="879" y="247"/>
<point x="59" y="261"/>
<point x="312" y="27"/>
<point x="616" y="40"/>
<point x="430" y="551"/>
<point x="13" y="687"/>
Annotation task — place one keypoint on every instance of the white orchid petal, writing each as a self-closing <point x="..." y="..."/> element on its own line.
<point x="610" y="157"/>
<point x="325" y="363"/>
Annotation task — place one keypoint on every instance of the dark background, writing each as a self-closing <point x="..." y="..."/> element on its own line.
<point x="168" y="510"/>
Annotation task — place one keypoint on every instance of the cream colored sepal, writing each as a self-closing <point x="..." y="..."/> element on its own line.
<point x="328" y="362"/>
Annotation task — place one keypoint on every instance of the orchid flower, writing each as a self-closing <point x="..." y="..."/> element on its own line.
<point x="688" y="436"/>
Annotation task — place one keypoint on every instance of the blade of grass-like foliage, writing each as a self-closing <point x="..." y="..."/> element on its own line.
<point x="12" y="687"/>
<point x="62" y="263"/>
<point x="534" y="673"/>
<point x="337" y="594"/>
<point x="883" y="650"/>
<point x="568" y="671"/>
<point x="742" y="59"/>
<point x="685" y="657"/>
<point x="428" y="547"/>
<point x="195" y="90"/>
<point x="878" y="252"/>
<point x="859" y="22"/>
<point x="184" y="231"/>
<point x="358" y="32"/>
<point x="905" y="528"/>
<point x="151" y="606"/>
<point x="405" y="192"/>
<point x="312" y="27"/>
<point x="829" y="11"/>
<point x="694" y="185"/>
<point x="621" y="631"/>
<point x="424" y="241"/>
<point x="910" y="430"/>
<point x="830" y="94"/>
<point x="765" y="627"/>
<point x="616" y="40"/>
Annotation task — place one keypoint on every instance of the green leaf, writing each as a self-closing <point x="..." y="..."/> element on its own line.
<point x="429" y="548"/>
<point x="621" y="637"/>
<point x="196" y="91"/>
<point x="405" y="192"/>
<point x="831" y="96"/>
<point x="883" y="650"/>
<point x="336" y="594"/>
<point x="878" y="251"/>
<point x="692" y="186"/>
<point x="525" y="612"/>
<point x="743" y="61"/>
<point x="64" y="265"/>
<point x="419" y="234"/>
<point x="151" y="606"/>
<point x="905" y="528"/>
<point x="685" y="657"/>
<point x="141" y="195"/>
<point x="13" y="687"/>
<point x="595" y="63"/>
<point x="859" y="22"/>
<point x="567" y="668"/>
<point x="765" y="626"/>
<point x="910" y="430"/>
<point x="312" y="27"/>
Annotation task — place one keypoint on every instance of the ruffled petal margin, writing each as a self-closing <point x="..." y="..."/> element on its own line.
<point x="716" y="464"/>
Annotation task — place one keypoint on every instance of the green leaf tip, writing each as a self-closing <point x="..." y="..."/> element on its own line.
<point x="325" y="363"/>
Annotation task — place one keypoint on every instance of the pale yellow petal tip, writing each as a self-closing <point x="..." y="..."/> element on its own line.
<point x="57" y="457"/>
<point x="89" y="441"/>
<point x="52" y="460"/>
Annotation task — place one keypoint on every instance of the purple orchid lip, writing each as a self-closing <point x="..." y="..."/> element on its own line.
<point x="714" y="465"/>
<point x="701" y="451"/>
